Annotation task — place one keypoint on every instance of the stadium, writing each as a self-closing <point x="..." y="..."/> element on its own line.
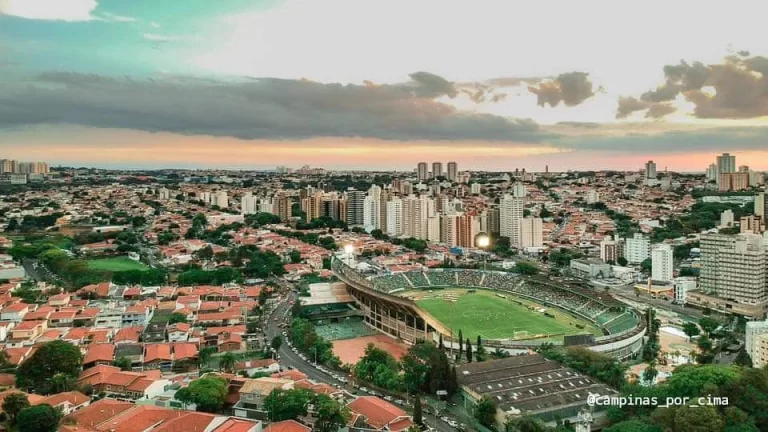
<point x="508" y="311"/>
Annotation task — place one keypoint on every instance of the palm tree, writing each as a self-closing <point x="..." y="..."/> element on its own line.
<point x="227" y="362"/>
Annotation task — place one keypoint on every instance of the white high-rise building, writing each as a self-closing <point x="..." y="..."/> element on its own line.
<point x="475" y="188"/>
<point x="735" y="267"/>
<point x="510" y="217"/>
<point x="221" y="199"/>
<point x="726" y="218"/>
<point x="248" y="204"/>
<point x="712" y="173"/>
<point x="726" y="163"/>
<point x="637" y="249"/>
<point x="433" y="228"/>
<point x="371" y="214"/>
<point x="753" y="333"/>
<point x="267" y="205"/>
<point x="422" y="171"/>
<point x="519" y="190"/>
<point x="609" y="249"/>
<point x="650" y="170"/>
<point x="448" y="229"/>
<point x="164" y="194"/>
<point x="453" y="171"/>
<point x="531" y="234"/>
<point x="662" y="263"/>
<point x="395" y="217"/>
<point x="415" y="213"/>
<point x="592" y="196"/>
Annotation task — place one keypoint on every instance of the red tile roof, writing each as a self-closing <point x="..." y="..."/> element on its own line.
<point x="74" y="397"/>
<point x="154" y="352"/>
<point x="99" y="352"/>
<point x="183" y="351"/>
<point x="287" y="426"/>
<point x="129" y="334"/>
<point x="378" y="412"/>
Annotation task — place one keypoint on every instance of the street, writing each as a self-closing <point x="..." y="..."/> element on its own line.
<point x="290" y="359"/>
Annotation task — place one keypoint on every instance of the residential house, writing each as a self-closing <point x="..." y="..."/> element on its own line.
<point x="178" y="332"/>
<point x="377" y="414"/>
<point x="158" y="356"/>
<point x="26" y="332"/>
<point x="128" y="335"/>
<point x="252" y="395"/>
<point x="62" y="318"/>
<point x="14" y="312"/>
<point x="110" y="317"/>
<point x="268" y="366"/>
<point x="67" y="402"/>
<point x="99" y="354"/>
<point x="5" y="329"/>
<point x="137" y="315"/>
<point x="59" y="300"/>
<point x="287" y="426"/>
<point x="123" y="385"/>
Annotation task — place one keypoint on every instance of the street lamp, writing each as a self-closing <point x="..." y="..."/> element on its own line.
<point x="483" y="241"/>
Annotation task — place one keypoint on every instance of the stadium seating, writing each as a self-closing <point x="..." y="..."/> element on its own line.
<point x="390" y="284"/>
<point x="418" y="279"/>
<point x="443" y="278"/>
<point x="469" y="278"/>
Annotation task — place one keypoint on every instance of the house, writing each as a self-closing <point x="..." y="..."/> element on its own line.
<point x="67" y="402"/>
<point x="40" y="314"/>
<point x="252" y="395"/>
<point x="268" y="366"/>
<point x="378" y="414"/>
<point x="59" y="300"/>
<point x="158" y="356"/>
<point x="231" y="342"/>
<point x="123" y="385"/>
<point x="31" y="397"/>
<point x="178" y="332"/>
<point x="128" y="335"/>
<point x="5" y="329"/>
<point x="109" y="317"/>
<point x="94" y="291"/>
<point x="133" y="352"/>
<point x="14" y="312"/>
<point x="287" y="426"/>
<point x="62" y="318"/>
<point x="137" y="315"/>
<point x="99" y="354"/>
<point x="26" y="332"/>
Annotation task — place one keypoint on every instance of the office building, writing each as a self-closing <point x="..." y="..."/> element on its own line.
<point x="422" y="172"/>
<point x="510" y="217"/>
<point x="395" y="217"/>
<point x="531" y="233"/>
<point x="650" y="170"/>
<point x="637" y="248"/>
<point x="662" y="263"/>
<point x="437" y="169"/>
<point x="355" y="207"/>
<point x="733" y="267"/>
<point x="453" y="171"/>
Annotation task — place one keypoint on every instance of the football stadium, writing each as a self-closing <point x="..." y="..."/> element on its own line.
<point x="506" y="310"/>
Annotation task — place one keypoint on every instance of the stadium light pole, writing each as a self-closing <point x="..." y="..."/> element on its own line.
<point x="483" y="241"/>
<point x="349" y="250"/>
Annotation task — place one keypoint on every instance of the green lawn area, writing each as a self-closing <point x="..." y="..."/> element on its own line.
<point x="492" y="317"/>
<point x="116" y="264"/>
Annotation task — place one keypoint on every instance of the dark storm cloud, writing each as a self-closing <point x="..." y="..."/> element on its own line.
<point x="571" y="88"/>
<point x="256" y="108"/>
<point x="740" y="86"/>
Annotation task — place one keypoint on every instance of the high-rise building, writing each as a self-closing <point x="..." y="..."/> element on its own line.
<point x="761" y="206"/>
<point x="712" y="173"/>
<point x="384" y="198"/>
<point x="475" y="188"/>
<point x="734" y="267"/>
<point x="395" y="217"/>
<point x="467" y="229"/>
<point x="531" y="234"/>
<point x="637" y="248"/>
<point x="733" y="181"/>
<point x="221" y="199"/>
<point x="355" y="207"/>
<point x="248" y="204"/>
<point x="662" y="263"/>
<point x="422" y="172"/>
<point x="519" y="190"/>
<point x="267" y="205"/>
<point x="750" y="224"/>
<point x="453" y="171"/>
<point x="609" y="250"/>
<point x="726" y="218"/>
<point x="415" y="213"/>
<point x="448" y="229"/>
<point x="283" y="206"/>
<point x="650" y="170"/>
<point x="510" y="217"/>
<point x="593" y="196"/>
<point x="437" y="169"/>
<point x="494" y="223"/>
<point x="682" y="285"/>
<point x="330" y="206"/>
<point x="726" y="164"/>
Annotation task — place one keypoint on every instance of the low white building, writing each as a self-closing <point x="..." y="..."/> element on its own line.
<point x="682" y="285"/>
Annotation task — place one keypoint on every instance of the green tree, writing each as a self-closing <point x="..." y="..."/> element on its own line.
<point x="526" y="423"/>
<point x="205" y="354"/>
<point x="708" y="324"/>
<point x="646" y="265"/>
<point x="469" y="351"/>
<point x="418" y="416"/>
<point x="331" y="415"/>
<point x="208" y="393"/>
<point x="485" y="412"/>
<point x="697" y="419"/>
<point x="39" y="418"/>
<point x="633" y="426"/>
<point x="50" y="359"/>
<point x="295" y="257"/>
<point x="743" y="358"/>
<point x="691" y="329"/>
<point x="177" y="317"/>
<point x="227" y="362"/>
<point x="124" y="363"/>
<point x="622" y="261"/>
<point x="287" y="404"/>
<point x="526" y="268"/>
<point x="15" y="403"/>
<point x="276" y="343"/>
<point x="378" y="367"/>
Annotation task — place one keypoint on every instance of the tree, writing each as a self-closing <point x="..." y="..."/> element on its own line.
<point x="526" y="423"/>
<point x="124" y="363"/>
<point x="50" y="359"/>
<point x="743" y="358"/>
<point x="227" y="362"/>
<point x="622" y="261"/>
<point x="39" y="418"/>
<point x="204" y="356"/>
<point x="177" y="317"/>
<point x="485" y="412"/>
<point x="708" y="324"/>
<point x="469" y="351"/>
<point x="295" y="257"/>
<point x="417" y="414"/>
<point x="14" y="403"/>
<point x="650" y="373"/>
<point x="208" y="393"/>
<point x="525" y="268"/>
<point x="633" y="426"/>
<point x="287" y="404"/>
<point x="378" y="367"/>
<point x="691" y="329"/>
<point x="331" y="415"/>
<point x="697" y="419"/>
<point x="646" y="265"/>
<point x="276" y="343"/>
<point x="461" y="344"/>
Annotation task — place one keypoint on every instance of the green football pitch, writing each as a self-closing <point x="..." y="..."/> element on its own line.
<point x="116" y="264"/>
<point x="486" y="314"/>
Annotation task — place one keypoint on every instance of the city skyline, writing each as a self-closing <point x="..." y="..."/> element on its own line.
<point x="240" y="85"/>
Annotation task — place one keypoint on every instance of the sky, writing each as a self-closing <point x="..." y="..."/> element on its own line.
<point x="370" y="84"/>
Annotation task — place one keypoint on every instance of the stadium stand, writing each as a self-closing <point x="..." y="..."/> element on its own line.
<point x="444" y="278"/>
<point x="418" y="279"/>
<point x="391" y="284"/>
<point x="469" y="278"/>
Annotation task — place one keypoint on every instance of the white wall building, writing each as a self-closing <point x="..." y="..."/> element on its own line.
<point x="637" y="249"/>
<point x="726" y="218"/>
<point x="531" y="233"/>
<point x="395" y="217"/>
<point x="510" y="217"/>
<point x="662" y="263"/>
<point x="681" y="287"/>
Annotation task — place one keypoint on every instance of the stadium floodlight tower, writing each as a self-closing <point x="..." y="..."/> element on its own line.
<point x="483" y="241"/>
<point x="349" y="255"/>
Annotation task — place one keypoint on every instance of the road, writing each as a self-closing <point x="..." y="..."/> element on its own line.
<point x="290" y="359"/>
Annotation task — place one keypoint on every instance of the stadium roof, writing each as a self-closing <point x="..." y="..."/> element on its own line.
<point x="529" y="383"/>
<point x="326" y="293"/>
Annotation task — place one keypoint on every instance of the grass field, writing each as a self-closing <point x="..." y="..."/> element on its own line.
<point x="484" y="313"/>
<point x="116" y="264"/>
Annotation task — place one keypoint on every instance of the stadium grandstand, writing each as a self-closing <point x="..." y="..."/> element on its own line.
<point x="388" y="307"/>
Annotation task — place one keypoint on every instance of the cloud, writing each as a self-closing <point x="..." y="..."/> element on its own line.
<point x="154" y="24"/>
<point x="116" y="18"/>
<point x="61" y="10"/>
<point x="571" y="88"/>
<point x="256" y="108"/>
<point x="160" y="38"/>
<point x="737" y="88"/>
